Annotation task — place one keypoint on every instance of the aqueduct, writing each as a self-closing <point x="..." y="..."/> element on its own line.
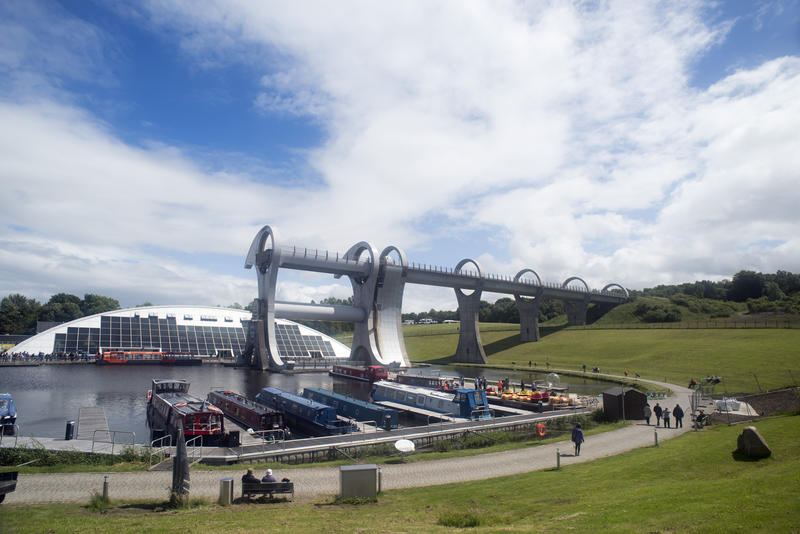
<point x="378" y="280"/>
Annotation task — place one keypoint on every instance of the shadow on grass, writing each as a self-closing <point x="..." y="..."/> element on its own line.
<point x="446" y="360"/>
<point x="740" y="456"/>
<point x="502" y="344"/>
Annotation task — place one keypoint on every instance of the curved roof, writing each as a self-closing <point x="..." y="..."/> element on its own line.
<point x="183" y="315"/>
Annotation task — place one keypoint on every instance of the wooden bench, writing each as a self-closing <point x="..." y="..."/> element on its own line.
<point x="267" y="488"/>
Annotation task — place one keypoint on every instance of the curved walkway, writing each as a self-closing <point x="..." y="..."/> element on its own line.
<point x="317" y="482"/>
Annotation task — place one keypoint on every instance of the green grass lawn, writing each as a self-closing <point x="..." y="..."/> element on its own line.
<point x="773" y="355"/>
<point x="688" y="484"/>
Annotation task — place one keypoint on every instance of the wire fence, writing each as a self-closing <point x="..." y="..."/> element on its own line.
<point x="689" y="325"/>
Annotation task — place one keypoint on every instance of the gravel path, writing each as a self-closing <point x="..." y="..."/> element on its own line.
<point x="313" y="483"/>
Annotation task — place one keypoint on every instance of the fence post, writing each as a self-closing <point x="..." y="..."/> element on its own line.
<point x="558" y="458"/>
<point x="757" y="384"/>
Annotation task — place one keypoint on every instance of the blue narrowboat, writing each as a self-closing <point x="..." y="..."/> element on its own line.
<point x="464" y="403"/>
<point x="354" y="408"/>
<point x="8" y="413"/>
<point x="304" y="415"/>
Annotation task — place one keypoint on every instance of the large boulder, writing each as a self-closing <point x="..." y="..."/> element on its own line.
<point x="752" y="444"/>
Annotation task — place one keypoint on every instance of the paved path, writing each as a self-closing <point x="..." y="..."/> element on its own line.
<point x="314" y="483"/>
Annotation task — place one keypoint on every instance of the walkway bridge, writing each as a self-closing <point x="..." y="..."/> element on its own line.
<point x="378" y="280"/>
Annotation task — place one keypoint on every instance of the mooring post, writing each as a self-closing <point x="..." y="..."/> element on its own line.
<point x="558" y="458"/>
<point x="105" y="487"/>
<point x="655" y="435"/>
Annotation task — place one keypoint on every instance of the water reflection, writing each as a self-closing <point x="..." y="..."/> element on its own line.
<point x="50" y="395"/>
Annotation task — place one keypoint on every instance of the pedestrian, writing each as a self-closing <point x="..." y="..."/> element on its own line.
<point x="677" y="412"/>
<point x="584" y="367"/>
<point x="665" y="415"/>
<point x="577" y="438"/>
<point x="658" y="411"/>
<point x="647" y="413"/>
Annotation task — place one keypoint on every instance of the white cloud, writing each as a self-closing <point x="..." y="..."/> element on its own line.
<point x="571" y="130"/>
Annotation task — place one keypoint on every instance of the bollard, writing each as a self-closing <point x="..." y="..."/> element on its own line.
<point x="558" y="458"/>
<point x="655" y="435"/>
<point x="226" y="491"/>
<point x="69" y="433"/>
<point x="105" y="488"/>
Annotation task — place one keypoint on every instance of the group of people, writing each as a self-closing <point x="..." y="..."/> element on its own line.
<point x="665" y="415"/>
<point x="251" y="477"/>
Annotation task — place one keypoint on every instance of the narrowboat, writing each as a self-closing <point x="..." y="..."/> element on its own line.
<point x="351" y="408"/>
<point x="8" y="413"/>
<point x="303" y="415"/>
<point x="246" y="412"/>
<point x="170" y="407"/>
<point x="370" y="373"/>
<point x="464" y="403"/>
<point x="442" y="383"/>
<point x="124" y="357"/>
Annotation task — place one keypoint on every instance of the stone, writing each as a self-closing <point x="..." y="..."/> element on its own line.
<point x="752" y="443"/>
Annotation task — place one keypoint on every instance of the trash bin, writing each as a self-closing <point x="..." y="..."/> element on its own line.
<point x="70" y="432"/>
<point x="226" y="491"/>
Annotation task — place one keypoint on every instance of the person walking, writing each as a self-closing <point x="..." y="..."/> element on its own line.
<point x="677" y="412"/>
<point x="577" y="438"/>
<point x="647" y="413"/>
<point x="665" y="415"/>
<point x="658" y="411"/>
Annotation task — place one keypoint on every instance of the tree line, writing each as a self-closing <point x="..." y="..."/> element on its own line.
<point x="19" y="314"/>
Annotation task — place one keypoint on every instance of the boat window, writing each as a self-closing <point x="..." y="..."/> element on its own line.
<point x="3" y="403"/>
<point x="420" y="400"/>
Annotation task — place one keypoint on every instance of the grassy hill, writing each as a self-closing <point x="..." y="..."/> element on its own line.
<point x="772" y="355"/>
<point x="689" y="484"/>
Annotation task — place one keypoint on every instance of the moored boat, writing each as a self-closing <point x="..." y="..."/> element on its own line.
<point x="248" y="413"/>
<point x="355" y="408"/>
<point x="124" y="357"/>
<point x="8" y="413"/>
<point x="171" y="408"/>
<point x="370" y="373"/>
<point x="304" y="415"/>
<point x="464" y="403"/>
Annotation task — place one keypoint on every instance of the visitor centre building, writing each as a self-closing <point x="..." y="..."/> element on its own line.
<point x="197" y="330"/>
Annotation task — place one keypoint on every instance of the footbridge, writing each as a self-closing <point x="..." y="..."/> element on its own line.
<point x="378" y="279"/>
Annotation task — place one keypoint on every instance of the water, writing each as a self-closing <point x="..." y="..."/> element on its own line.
<point x="48" y="396"/>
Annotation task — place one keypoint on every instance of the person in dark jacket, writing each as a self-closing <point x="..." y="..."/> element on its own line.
<point x="577" y="438"/>
<point x="677" y="413"/>
<point x="268" y="477"/>
<point x="658" y="411"/>
<point x="647" y="413"/>
<point x="249" y="477"/>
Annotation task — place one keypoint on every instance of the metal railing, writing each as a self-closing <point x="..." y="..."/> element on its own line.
<point x="14" y="431"/>
<point x="112" y="438"/>
<point x="193" y="450"/>
<point x="160" y="451"/>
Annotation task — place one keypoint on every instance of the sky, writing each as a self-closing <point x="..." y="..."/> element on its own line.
<point x="144" y="144"/>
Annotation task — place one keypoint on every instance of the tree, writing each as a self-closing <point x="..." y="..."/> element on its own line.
<point x="60" y="312"/>
<point x="18" y="314"/>
<point x="746" y="285"/>
<point x="145" y="304"/>
<point x="93" y="304"/>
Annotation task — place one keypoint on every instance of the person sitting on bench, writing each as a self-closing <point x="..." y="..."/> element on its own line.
<point x="249" y="477"/>
<point x="702" y="419"/>
<point x="268" y="477"/>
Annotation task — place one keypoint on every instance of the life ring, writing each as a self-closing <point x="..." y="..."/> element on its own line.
<point x="149" y="394"/>
<point x="541" y="430"/>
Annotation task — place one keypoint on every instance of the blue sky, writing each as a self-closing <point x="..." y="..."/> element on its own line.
<point x="145" y="143"/>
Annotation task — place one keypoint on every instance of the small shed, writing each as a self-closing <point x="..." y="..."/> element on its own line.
<point x="624" y="403"/>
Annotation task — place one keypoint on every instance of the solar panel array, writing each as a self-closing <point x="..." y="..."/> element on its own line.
<point x="151" y="333"/>
<point x="291" y="343"/>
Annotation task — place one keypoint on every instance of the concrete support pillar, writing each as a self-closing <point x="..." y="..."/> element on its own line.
<point x="528" y="319"/>
<point x="576" y="311"/>
<point x="529" y="308"/>
<point x="470" y="348"/>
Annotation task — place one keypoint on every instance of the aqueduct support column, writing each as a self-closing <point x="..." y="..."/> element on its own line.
<point x="364" y="348"/>
<point x="470" y="348"/>
<point x="529" y="310"/>
<point x="576" y="309"/>
<point x="267" y="261"/>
